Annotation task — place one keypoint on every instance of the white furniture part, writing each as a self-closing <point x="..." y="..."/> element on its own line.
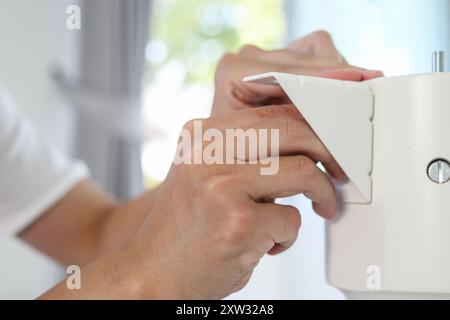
<point x="391" y="136"/>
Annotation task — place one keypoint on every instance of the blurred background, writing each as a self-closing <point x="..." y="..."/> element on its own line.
<point x="117" y="92"/>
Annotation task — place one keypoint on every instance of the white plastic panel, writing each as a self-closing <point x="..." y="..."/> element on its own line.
<point x="340" y="113"/>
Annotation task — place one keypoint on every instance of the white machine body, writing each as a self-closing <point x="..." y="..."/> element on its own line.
<point x="391" y="238"/>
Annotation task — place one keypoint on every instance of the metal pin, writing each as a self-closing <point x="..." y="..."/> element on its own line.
<point x="438" y="61"/>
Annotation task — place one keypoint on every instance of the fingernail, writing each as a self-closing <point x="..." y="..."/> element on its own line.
<point x="344" y="179"/>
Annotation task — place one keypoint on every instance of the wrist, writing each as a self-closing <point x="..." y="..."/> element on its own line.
<point x="148" y="279"/>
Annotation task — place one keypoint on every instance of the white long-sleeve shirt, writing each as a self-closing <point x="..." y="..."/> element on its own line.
<point x="34" y="175"/>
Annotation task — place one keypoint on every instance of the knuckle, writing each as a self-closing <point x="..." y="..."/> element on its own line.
<point x="234" y="236"/>
<point x="227" y="60"/>
<point x="190" y="125"/>
<point x="197" y="123"/>
<point x="248" y="48"/>
<point x="209" y="123"/>
<point x="277" y="111"/>
<point x="321" y="36"/>
<point x="240" y="221"/>
<point x="248" y="263"/>
<point x="218" y="185"/>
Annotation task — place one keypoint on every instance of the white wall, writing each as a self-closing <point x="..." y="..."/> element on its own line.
<point x="30" y="42"/>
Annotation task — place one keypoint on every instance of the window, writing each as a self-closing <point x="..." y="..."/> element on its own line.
<point x="394" y="36"/>
<point x="188" y="37"/>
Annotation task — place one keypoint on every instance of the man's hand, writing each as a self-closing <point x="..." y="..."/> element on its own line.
<point x="314" y="55"/>
<point x="211" y="224"/>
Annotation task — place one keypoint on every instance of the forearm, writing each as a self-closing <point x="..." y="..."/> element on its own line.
<point x="118" y="276"/>
<point x="103" y="279"/>
<point x="121" y="223"/>
<point x="87" y="224"/>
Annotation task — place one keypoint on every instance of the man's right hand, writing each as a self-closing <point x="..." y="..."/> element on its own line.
<point x="211" y="224"/>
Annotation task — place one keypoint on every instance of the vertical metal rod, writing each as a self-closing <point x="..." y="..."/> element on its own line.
<point x="438" y="61"/>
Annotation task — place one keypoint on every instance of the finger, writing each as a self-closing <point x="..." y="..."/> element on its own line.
<point x="350" y="73"/>
<point x="253" y="93"/>
<point x="294" y="175"/>
<point x="281" y="57"/>
<point x="318" y="62"/>
<point x="290" y="59"/>
<point x="372" y="74"/>
<point x="276" y="101"/>
<point x="277" y="249"/>
<point x="280" y="223"/>
<point x="296" y="137"/>
<point x="250" y="116"/>
<point x="229" y="77"/>
<point x="244" y="95"/>
<point x="317" y="44"/>
<point x="346" y="73"/>
<point x="316" y="49"/>
<point x="286" y="58"/>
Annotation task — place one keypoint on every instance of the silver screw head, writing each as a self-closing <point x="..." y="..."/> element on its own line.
<point x="439" y="171"/>
<point x="438" y="61"/>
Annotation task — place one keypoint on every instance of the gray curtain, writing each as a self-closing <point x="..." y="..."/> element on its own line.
<point x="107" y="93"/>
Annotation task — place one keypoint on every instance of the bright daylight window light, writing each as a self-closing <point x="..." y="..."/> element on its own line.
<point x="394" y="36"/>
<point x="182" y="59"/>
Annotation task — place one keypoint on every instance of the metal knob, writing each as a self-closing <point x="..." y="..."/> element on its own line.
<point x="439" y="171"/>
<point x="438" y="61"/>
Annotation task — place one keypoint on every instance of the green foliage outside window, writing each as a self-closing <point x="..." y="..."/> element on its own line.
<point x="197" y="32"/>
